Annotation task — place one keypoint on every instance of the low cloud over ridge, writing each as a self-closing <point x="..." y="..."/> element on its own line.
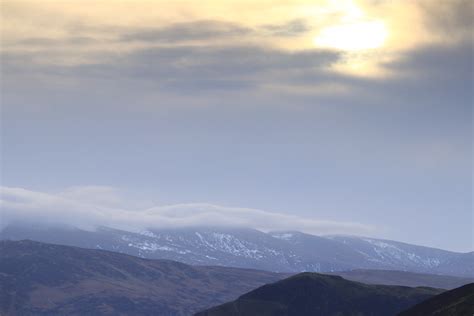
<point x="19" y="205"/>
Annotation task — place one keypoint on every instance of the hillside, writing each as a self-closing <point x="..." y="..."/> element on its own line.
<point x="459" y="301"/>
<point x="317" y="294"/>
<point x="45" y="279"/>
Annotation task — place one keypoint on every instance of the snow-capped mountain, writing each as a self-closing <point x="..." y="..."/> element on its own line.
<point x="249" y="248"/>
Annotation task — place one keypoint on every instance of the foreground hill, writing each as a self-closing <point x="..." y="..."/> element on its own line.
<point x="459" y="301"/>
<point x="325" y="295"/>
<point x="45" y="279"/>
<point x="248" y="248"/>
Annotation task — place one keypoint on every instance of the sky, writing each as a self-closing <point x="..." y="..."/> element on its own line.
<point x="329" y="117"/>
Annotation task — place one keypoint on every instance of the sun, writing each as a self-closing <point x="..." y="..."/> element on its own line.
<point x="360" y="37"/>
<point x="355" y="36"/>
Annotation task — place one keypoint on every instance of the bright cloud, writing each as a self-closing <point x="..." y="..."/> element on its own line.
<point x="84" y="210"/>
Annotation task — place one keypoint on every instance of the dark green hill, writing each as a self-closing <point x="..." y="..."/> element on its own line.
<point x="457" y="302"/>
<point x="45" y="279"/>
<point x="317" y="294"/>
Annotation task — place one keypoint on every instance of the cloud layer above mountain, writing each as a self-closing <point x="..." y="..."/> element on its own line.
<point x="90" y="207"/>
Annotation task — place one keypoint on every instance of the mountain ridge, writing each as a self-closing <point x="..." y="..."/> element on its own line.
<point x="290" y="252"/>
<point x="48" y="279"/>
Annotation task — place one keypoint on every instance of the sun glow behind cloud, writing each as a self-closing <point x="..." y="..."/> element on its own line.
<point x="356" y="36"/>
<point x="366" y="34"/>
<point x="353" y="30"/>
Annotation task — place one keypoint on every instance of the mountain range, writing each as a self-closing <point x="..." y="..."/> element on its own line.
<point x="289" y="252"/>
<point x="47" y="279"/>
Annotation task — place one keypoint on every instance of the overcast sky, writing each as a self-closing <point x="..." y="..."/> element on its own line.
<point x="323" y="116"/>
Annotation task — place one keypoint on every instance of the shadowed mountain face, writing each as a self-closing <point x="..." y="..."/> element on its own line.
<point x="459" y="301"/>
<point x="325" y="295"/>
<point x="248" y="248"/>
<point x="388" y="277"/>
<point x="45" y="279"/>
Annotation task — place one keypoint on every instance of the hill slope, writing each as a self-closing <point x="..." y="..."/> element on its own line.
<point x="45" y="279"/>
<point x="317" y="294"/>
<point x="459" y="301"/>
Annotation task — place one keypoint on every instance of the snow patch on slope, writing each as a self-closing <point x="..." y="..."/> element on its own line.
<point x="392" y="252"/>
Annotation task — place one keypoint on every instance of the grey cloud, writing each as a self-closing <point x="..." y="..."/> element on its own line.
<point x="430" y="74"/>
<point x="453" y="18"/>
<point x="291" y="28"/>
<point x="245" y="64"/>
<point x="226" y="60"/>
<point x="45" y="41"/>
<point x="187" y="68"/>
<point x="433" y="74"/>
<point x="440" y="60"/>
<point x="211" y="29"/>
<point x="179" y="32"/>
<point x="176" y="33"/>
